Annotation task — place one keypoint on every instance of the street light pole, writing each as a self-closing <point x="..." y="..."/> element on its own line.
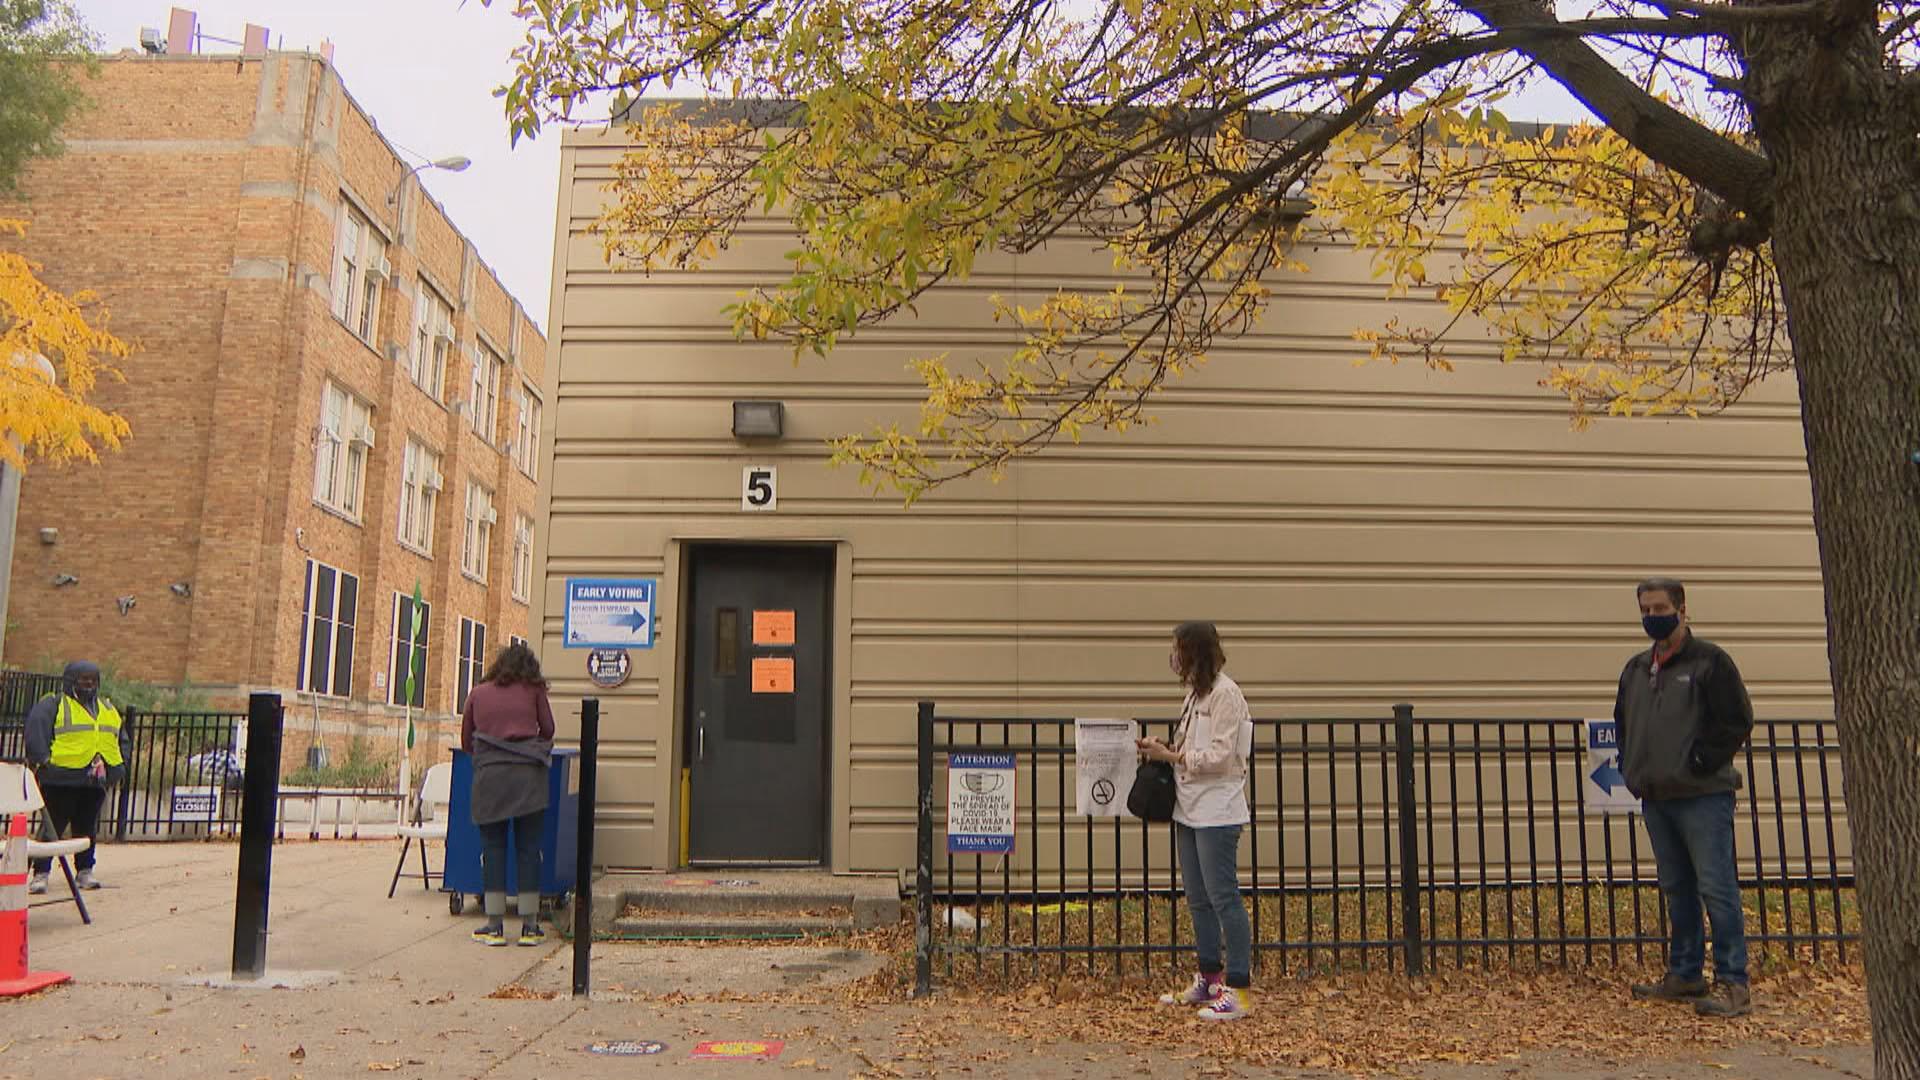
<point x="457" y="163"/>
<point x="10" y="478"/>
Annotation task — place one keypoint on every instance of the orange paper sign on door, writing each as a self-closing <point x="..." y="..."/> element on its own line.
<point x="773" y="628"/>
<point x="772" y="675"/>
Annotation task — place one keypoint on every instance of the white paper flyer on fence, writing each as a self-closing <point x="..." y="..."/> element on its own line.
<point x="1104" y="758"/>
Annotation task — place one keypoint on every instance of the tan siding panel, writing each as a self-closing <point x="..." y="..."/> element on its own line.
<point x="1363" y="533"/>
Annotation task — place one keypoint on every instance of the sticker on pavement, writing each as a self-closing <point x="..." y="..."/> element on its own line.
<point x="626" y="1047"/>
<point x="719" y="1051"/>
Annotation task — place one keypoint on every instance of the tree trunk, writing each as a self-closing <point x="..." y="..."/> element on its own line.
<point x="1846" y="240"/>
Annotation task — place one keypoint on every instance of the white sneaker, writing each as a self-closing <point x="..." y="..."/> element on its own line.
<point x="86" y="880"/>
<point x="37" y="884"/>
<point x="1230" y="1005"/>
<point x="1201" y="992"/>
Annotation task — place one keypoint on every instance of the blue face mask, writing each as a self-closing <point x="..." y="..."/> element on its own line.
<point x="1660" y="627"/>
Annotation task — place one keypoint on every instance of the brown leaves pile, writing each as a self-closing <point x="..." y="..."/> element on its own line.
<point x="516" y="992"/>
<point x="1375" y="1023"/>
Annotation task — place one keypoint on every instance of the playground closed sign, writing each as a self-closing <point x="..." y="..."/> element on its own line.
<point x="196" y="803"/>
<point x="980" y="803"/>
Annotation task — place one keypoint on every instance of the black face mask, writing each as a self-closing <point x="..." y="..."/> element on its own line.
<point x="1660" y="627"/>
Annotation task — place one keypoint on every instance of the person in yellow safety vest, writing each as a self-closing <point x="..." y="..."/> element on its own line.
<point x="77" y="748"/>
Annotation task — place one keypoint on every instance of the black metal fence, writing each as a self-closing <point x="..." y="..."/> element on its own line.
<point x="183" y="777"/>
<point x="1406" y="843"/>
<point x="19" y="690"/>
<point x="183" y="774"/>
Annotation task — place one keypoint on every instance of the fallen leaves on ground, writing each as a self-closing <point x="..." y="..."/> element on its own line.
<point x="516" y="992"/>
<point x="1366" y="1024"/>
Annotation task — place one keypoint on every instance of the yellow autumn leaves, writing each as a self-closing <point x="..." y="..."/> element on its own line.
<point x="42" y="418"/>
<point x="1563" y="245"/>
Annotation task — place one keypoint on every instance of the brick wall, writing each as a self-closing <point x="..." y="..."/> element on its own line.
<point x="201" y="199"/>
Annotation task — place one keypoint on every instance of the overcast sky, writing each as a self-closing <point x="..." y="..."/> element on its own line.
<point x="425" y="70"/>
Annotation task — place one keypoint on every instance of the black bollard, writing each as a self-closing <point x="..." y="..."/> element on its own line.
<point x="260" y="800"/>
<point x="583" y="849"/>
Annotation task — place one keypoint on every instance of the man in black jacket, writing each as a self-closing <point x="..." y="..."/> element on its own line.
<point x="1682" y="713"/>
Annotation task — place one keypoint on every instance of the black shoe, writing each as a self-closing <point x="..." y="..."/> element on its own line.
<point x="493" y="935"/>
<point x="532" y="935"/>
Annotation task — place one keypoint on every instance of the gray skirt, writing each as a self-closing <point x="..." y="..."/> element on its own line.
<point x="509" y="778"/>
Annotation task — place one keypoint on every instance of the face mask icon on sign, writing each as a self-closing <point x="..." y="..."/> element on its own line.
<point x="983" y="783"/>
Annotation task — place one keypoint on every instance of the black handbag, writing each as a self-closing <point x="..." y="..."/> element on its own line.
<point x="1153" y="795"/>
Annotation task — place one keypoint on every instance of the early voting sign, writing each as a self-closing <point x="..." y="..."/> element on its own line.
<point x="610" y="613"/>
<point x="1603" y="786"/>
<point x="979" y="803"/>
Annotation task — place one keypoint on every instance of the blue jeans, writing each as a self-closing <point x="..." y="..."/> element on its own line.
<point x="526" y="854"/>
<point x="1693" y="847"/>
<point x="1209" y="869"/>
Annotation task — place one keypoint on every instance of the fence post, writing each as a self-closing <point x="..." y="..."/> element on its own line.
<point x="583" y="847"/>
<point x="123" y="802"/>
<point x="1409" y="838"/>
<point x="923" y="862"/>
<point x="258" y="808"/>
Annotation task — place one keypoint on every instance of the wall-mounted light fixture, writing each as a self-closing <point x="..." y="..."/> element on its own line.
<point x="758" y="419"/>
<point x="125" y="604"/>
<point x="64" y="579"/>
<point x="182" y="589"/>
<point x="49" y="535"/>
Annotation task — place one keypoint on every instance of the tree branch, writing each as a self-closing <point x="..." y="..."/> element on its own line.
<point x="1669" y="137"/>
<point x="1402" y="75"/>
<point x="1727" y="13"/>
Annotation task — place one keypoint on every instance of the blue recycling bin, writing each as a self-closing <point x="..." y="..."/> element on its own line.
<point x="557" y="843"/>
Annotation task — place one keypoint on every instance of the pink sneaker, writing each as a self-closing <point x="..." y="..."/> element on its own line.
<point x="1231" y="1004"/>
<point x="1204" y="989"/>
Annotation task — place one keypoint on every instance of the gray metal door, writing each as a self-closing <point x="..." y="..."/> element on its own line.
<point x="757" y="704"/>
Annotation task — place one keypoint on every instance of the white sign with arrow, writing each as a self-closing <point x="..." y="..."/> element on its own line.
<point x="1602" y="784"/>
<point x="610" y="613"/>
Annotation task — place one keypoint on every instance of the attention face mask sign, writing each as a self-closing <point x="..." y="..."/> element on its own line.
<point x="980" y="804"/>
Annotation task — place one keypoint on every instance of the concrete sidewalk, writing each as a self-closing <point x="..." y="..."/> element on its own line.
<point x="408" y="996"/>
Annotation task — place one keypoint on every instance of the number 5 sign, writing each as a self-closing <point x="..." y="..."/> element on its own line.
<point x="757" y="490"/>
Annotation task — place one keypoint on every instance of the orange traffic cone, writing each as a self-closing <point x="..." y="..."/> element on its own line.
<point x="15" y="977"/>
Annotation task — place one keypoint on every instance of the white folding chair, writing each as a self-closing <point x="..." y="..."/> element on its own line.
<point x="20" y="794"/>
<point x="429" y="823"/>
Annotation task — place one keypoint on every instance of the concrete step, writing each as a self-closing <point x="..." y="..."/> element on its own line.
<point x="800" y="898"/>
<point x="742" y="927"/>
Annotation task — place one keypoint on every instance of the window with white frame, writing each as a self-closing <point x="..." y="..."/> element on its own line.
<point x="480" y="519"/>
<point x="420" y="485"/>
<point x="473" y="662"/>
<point x="341" y="443"/>
<point x="522" y="557"/>
<point x="526" y="435"/>
<point x="432" y="341"/>
<point x="360" y="268"/>
<point x="487" y="371"/>
<point x="411" y="625"/>
<point x="326" y="631"/>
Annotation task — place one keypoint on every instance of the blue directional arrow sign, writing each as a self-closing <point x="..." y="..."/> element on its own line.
<point x="610" y="613"/>
<point x="1603" y="785"/>
<point x="1607" y="776"/>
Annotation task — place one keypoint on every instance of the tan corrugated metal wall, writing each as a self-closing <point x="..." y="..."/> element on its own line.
<point x="1362" y="534"/>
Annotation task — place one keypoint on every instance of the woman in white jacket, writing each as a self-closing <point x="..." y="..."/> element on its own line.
<point x="1209" y="757"/>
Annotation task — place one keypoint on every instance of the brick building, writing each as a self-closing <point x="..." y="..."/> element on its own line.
<point x="333" y="398"/>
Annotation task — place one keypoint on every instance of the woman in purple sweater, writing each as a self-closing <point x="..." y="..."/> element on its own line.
<point x="508" y="728"/>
